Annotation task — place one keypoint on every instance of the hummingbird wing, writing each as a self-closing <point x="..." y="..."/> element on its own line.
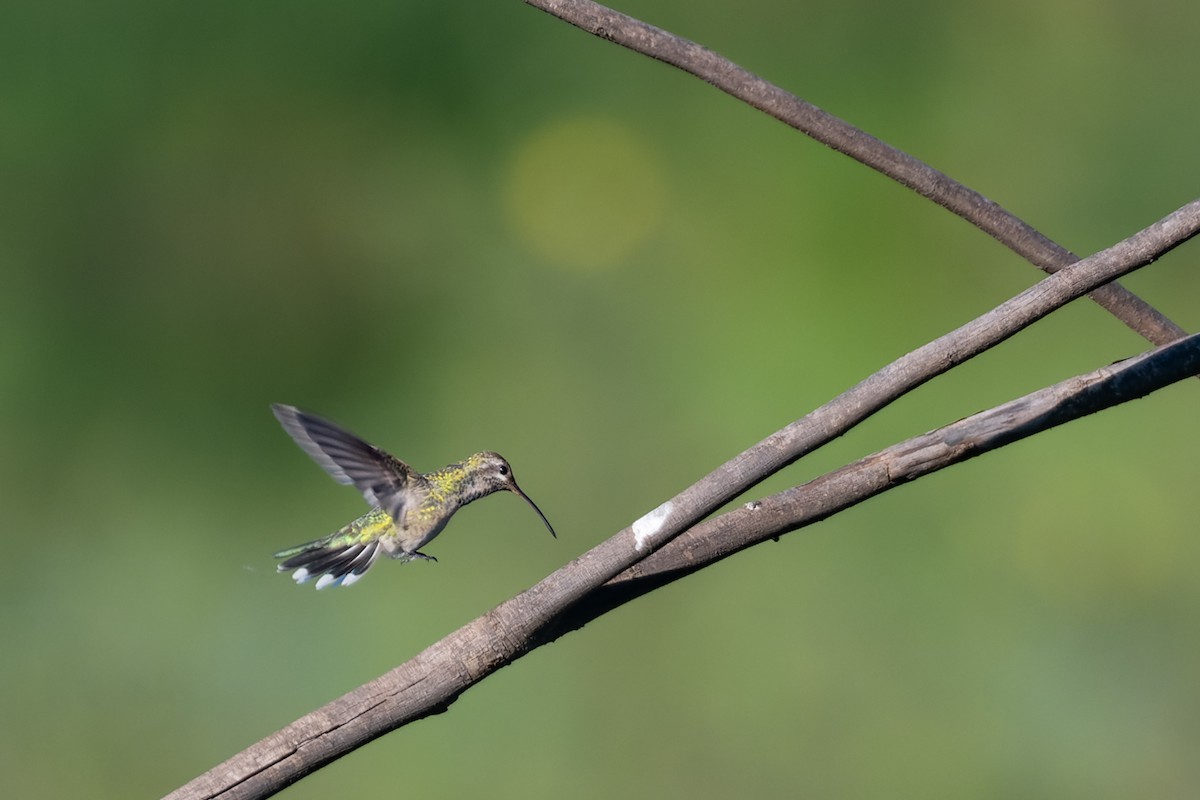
<point x="382" y="478"/>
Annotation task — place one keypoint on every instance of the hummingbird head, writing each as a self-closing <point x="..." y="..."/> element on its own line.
<point x="495" y="474"/>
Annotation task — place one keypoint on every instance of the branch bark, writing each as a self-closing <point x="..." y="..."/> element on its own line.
<point x="430" y="682"/>
<point x="987" y="215"/>
<point x="769" y="518"/>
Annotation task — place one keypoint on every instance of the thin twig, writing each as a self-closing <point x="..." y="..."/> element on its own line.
<point x="431" y="681"/>
<point x="985" y="214"/>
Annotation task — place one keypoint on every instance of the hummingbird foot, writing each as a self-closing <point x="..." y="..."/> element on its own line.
<point x="406" y="556"/>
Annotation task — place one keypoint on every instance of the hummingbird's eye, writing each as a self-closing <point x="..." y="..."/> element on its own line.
<point x="504" y="469"/>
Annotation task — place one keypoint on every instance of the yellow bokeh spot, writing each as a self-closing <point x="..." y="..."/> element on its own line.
<point x="584" y="192"/>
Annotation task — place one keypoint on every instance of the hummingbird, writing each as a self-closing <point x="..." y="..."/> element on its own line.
<point x="408" y="508"/>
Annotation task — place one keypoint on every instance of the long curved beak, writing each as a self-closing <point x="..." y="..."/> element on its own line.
<point x="517" y="490"/>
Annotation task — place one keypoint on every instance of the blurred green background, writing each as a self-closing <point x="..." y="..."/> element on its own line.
<point x="458" y="226"/>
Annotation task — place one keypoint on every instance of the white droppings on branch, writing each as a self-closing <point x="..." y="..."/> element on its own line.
<point x="650" y="524"/>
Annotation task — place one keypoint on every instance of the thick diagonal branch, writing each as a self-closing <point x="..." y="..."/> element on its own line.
<point x="428" y="683"/>
<point x="987" y="215"/>
<point x="768" y="518"/>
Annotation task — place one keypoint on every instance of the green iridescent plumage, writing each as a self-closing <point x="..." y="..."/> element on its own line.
<point x="409" y="508"/>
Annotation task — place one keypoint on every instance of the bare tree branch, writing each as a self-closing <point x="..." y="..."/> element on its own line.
<point x="759" y="520"/>
<point x="430" y="682"/>
<point x="985" y="214"/>
<point x="651" y="552"/>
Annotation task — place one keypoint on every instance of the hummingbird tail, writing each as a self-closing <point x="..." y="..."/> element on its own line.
<point x="333" y="561"/>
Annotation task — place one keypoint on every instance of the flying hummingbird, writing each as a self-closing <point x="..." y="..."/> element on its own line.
<point x="409" y="508"/>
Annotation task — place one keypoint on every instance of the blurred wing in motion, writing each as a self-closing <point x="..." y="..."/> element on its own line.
<point x="382" y="478"/>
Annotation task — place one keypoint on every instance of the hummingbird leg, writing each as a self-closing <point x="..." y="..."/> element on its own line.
<point x="405" y="556"/>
